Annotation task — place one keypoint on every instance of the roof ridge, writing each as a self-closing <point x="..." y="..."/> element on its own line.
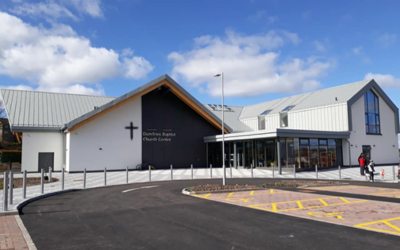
<point x="48" y="92"/>
<point x="310" y="92"/>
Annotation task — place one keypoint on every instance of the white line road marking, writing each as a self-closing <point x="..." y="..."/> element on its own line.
<point x="133" y="189"/>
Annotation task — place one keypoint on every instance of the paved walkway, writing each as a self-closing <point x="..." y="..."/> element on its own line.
<point x="11" y="236"/>
<point x="361" y="213"/>
<point x="75" y="180"/>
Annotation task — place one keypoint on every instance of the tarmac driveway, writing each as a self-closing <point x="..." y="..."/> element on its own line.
<point x="160" y="217"/>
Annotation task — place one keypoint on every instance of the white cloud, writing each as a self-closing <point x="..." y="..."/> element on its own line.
<point x="387" y="39"/>
<point x="319" y="46"/>
<point x="91" y="7"/>
<point x="57" y="59"/>
<point x="249" y="66"/>
<point x="137" y="67"/>
<point x="385" y="81"/>
<point x="48" y="9"/>
<point x="55" y="9"/>
<point x="272" y="19"/>
<point x="257" y="16"/>
<point x="357" y="50"/>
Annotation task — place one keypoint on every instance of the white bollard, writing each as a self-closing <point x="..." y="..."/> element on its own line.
<point x="340" y="173"/>
<point x="127" y="175"/>
<point x="210" y="171"/>
<point x="84" y="178"/>
<point x="251" y="166"/>
<point x="42" y="181"/>
<point x="172" y="173"/>
<point x="230" y="168"/>
<point x="149" y="173"/>
<point x="316" y="171"/>
<point x="5" y="191"/>
<point x="394" y="173"/>
<point x="191" y="166"/>
<point x="24" y="185"/>
<point x="294" y="171"/>
<point x="62" y="179"/>
<point x="105" y="176"/>
<point x="273" y="171"/>
<point x="50" y="173"/>
<point x="11" y="187"/>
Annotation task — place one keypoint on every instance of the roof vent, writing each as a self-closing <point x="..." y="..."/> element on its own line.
<point x="96" y="107"/>
<point x="335" y="98"/>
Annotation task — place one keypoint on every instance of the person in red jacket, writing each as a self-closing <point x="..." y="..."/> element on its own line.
<point x="361" y="162"/>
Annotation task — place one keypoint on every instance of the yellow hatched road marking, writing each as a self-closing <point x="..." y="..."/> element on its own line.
<point x="386" y="222"/>
<point x="202" y="196"/>
<point x="323" y="202"/>
<point x="229" y="195"/>
<point x="300" y="205"/>
<point x="252" y="192"/>
<point x="392" y="226"/>
<point x="272" y="191"/>
<point x="343" y="199"/>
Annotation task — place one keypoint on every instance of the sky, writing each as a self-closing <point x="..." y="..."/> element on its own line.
<point x="267" y="49"/>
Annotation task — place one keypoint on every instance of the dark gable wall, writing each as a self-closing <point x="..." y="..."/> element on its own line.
<point x="163" y="110"/>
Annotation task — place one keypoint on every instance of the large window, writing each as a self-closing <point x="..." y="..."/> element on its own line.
<point x="371" y="104"/>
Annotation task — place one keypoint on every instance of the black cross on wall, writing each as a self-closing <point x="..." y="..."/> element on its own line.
<point x="131" y="127"/>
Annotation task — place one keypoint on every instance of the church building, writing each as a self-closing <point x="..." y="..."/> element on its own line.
<point x="162" y="124"/>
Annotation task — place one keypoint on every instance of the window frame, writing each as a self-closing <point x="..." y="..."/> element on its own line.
<point x="372" y="117"/>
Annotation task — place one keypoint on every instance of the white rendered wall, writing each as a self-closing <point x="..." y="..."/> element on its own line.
<point x="385" y="150"/>
<point x="34" y="143"/>
<point x="328" y="118"/>
<point x="107" y="132"/>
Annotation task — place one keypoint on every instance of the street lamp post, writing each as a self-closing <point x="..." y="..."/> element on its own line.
<point x="223" y="129"/>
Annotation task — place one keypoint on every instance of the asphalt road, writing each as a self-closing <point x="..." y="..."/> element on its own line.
<point x="164" y="218"/>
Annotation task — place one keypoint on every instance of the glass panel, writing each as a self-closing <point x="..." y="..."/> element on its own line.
<point x="331" y="142"/>
<point x="366" y="119"/>
<point x="339" y="158"/>
<point x="378" y="130"/>
<point x="304" y="157"/>
<point x="371" y="119"/>
<point x="332" y="156"/>
<point x="322" y="142"/>
<point x="248" y="154"/>
<point x="296" y="152"/>
<point x="372" y="129"/>
<point x="239" y="153"/>
<point x="283" y="155"/>
<point x="371" y="103"/>
<point x="377" y="119"/>
<point x="314" y="156"/>
<point x="303" y="141"/>
<point x="270" y="147"/>
<point x="260" y="153"/>
<point x="290" y="151"/>
<point x="323" y="154"/>
<point x="314" y="142"/>
<point x="376" y="105"/>
<point x="366" y="129"/>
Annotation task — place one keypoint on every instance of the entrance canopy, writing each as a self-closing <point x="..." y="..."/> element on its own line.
<point x="278" y="133"/>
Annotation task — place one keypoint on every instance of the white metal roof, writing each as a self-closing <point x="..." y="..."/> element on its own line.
<point x="33" y="109"/>
<point x="319" y="98"/>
